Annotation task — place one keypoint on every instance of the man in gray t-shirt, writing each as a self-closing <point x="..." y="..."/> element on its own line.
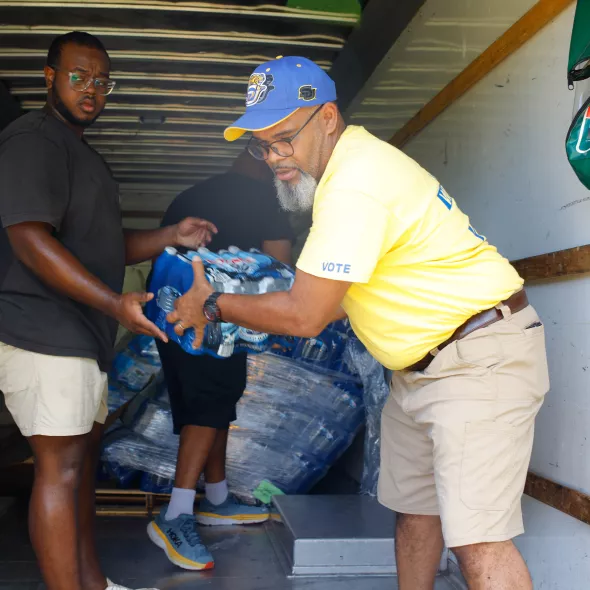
<point x="63" y="253"/>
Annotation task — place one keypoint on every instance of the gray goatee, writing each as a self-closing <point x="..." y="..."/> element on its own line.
<point x="297" y="197"/>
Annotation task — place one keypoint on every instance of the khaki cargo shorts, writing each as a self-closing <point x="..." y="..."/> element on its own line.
<point x="457" y="437"/>
<point x="52" y="395"/>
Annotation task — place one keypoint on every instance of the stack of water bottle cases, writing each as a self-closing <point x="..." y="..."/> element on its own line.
<point x="301" y="410"/>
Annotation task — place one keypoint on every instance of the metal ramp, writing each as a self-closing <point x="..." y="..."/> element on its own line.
<point x="335" y="536"/>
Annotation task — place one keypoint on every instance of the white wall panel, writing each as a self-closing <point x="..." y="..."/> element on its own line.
<point x="500" y="152"/>
<point x="441" y="41"/>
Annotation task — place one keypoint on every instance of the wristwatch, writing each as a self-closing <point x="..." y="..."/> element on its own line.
<point x="211" y="310"/>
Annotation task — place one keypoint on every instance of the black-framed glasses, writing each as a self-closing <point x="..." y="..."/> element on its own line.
<point x="80" y="82"/>
<point x="281" y="147"/>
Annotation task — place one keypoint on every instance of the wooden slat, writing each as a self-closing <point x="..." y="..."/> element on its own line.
<point x="571" y="502"/>
<point x="562" y="263"/>
<point x="541" y="14"/>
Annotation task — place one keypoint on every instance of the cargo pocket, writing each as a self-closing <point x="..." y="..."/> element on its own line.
<point x="489" y="466"/>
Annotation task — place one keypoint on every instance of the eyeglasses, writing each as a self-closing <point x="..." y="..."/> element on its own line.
<point x="80" y="82"/>
<point x="281" y="147"/>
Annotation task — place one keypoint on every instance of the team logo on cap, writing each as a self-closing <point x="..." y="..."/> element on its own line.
<point x="307" y="92"/>
<point x="258" y="88"/>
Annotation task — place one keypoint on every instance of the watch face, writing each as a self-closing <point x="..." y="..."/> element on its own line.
<point x="209" y="313"/>
<point x="211" y="310"/>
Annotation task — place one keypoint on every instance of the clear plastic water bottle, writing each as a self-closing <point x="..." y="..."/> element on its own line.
<point x="158" y="280"/>
<point x="167" y="294"/>
<point x="254" y="258"/>
<point x="222" y="276"/>
<point x="253" y="341"/>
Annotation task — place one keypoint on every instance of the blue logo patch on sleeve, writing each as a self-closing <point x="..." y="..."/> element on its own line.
<point x="446" y="200"/>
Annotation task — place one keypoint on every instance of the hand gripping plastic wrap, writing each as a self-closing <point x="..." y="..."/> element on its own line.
<point x="294" y="421"/>
<point x="375" y="393"/>
<point x="229" y="271"/>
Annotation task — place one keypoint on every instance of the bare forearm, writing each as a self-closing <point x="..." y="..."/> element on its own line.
<point x="141" y="245"/>
<point x="63" y="272"/>
<point x="274" y="313"/>
<point x="279" y="249"/>
<point x="304" y="311"/>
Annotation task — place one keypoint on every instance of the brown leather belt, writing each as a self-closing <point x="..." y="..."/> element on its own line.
<point x="514" y="303"/>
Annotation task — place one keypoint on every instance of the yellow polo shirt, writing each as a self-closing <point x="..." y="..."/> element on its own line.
<point x="418" y="268"/>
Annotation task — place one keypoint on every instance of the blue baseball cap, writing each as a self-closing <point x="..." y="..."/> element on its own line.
<point x="277" y="89"/>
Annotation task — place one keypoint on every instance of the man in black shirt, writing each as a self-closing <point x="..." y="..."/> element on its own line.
<point x="61" y="275"/>
<point x="204" y="390"/>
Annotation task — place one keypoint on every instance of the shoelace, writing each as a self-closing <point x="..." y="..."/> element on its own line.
<point x="189" y="530"/>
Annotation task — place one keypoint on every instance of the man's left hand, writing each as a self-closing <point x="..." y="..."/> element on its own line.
<point x="192" y="233"/>
<point x="189" y="307"/>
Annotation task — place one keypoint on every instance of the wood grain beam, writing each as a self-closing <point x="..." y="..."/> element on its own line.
<point x="541" y="14"/>
<point x="562" y="498"/>
<point x="563" y="263"/>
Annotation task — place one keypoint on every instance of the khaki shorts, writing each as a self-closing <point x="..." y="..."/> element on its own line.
<point x="457" y="437"/>
<point x="52" y="395"/>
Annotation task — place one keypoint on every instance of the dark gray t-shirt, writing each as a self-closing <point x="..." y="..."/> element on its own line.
<point x="48" y="174"/>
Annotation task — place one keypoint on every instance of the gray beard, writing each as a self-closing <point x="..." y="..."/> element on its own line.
<point x="298" y="197"/>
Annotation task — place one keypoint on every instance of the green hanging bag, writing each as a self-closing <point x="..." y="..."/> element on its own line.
<point x="577" y="143"/>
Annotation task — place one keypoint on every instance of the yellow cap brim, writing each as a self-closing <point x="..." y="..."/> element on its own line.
<point x="234" y="132"/>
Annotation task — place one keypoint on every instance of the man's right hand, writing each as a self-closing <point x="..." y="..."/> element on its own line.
<point x="37" y="248"/>
<point x="129" y="313"/>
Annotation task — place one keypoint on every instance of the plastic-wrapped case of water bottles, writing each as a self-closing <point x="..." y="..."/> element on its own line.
<point x="293" y="422"/>
<point x="133" y="370"/>
<point x="301" y="409"/>
<point x="229" y="271"/>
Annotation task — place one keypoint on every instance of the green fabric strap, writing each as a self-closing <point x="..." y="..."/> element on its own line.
<point x="580" y="44"/>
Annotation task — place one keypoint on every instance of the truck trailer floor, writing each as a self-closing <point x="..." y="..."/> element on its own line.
<point x="245" y="560"/>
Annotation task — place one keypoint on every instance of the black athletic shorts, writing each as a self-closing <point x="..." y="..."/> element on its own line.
<point x="203" y="390"/>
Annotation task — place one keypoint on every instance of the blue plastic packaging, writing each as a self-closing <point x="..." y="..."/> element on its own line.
<point x="155" y="484"/>
<point x="229" y="271"/>
<point x="132" y="371"/>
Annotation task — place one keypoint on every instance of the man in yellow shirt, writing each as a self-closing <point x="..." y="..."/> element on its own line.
<point x="429" y="297"/>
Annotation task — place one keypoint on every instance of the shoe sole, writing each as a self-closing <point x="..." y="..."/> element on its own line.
<point x="159" y="539"/>
<point x="207" y="519"/>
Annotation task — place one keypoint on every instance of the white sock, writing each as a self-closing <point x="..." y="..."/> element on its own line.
<point x="216" y="493"/>
<point x="181" y="502"/>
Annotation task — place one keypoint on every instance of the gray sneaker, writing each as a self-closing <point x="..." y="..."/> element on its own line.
<point x="180" y="541"/>
<point x="232" y="511"/>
